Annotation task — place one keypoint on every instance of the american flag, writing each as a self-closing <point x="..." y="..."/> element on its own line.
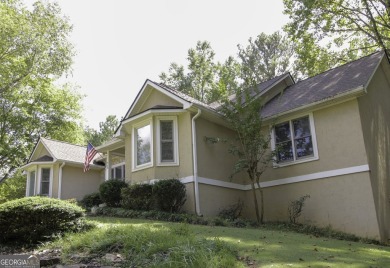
<point x="90" y="154"/>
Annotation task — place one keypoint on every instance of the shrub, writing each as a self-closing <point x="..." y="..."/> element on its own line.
<point x="170" y="195"/>
<point x="137" y="197"/>
<point x="110" y="192"/>
<point x="33" y="219"/>
<point x="232" y="212"/>
<point x="295" y="208"/>
<point x="91" y="200"/>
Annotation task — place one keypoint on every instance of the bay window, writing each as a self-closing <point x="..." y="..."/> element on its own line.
<point x="143" y="145"/>
<point x="45" y="181"/>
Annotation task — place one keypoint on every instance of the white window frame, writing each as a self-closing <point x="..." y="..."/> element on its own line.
<point x="29" y="182"/>
<point x="113" y="167"/>
<point x="50" y="180"/>
<point x="175" y="161"/>
<point x="136" y="167"/>
<point x="313" y="138"/>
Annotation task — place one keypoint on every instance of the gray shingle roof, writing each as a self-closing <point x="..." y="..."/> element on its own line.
<point x="325" y="85"/>
<point x="65" y="151"/>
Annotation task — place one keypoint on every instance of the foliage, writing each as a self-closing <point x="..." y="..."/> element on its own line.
<point x="110" y="192"/>
<point x="295" y="208"/>
<point x="148" y="246"/>
<point x="13" y="188"/>
<point x="33" y="219"/>
<point x="170" y="195"/>
<point x="252" y="147"/>
<point x="91" y="200"/>
<point x="333" y="32"/>
<point x="232" y="212"/>
<point x="267" y="56"/>
<point x="105" y="132"/>
<point x="34" y="51"/>
<point x="199" y="81"/>
<point x="137" y="197"/>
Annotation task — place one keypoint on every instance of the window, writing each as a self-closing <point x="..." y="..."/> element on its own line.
<point x="31" y="187"/>
<point x="167" y="146"/>
<point x="118" y="171"/>
<point x="45" y="181"/>
<point x="294" y="140"/>
<point x="143" y="145"/>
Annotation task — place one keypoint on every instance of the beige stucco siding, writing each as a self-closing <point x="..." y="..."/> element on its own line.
<point x="375" y="114"/>
<point x="344" y="203"/>
<point x="213" y="198"/>
<point x="157" y="98"/>
<point x="76" y="183"/>
<point x="214" y="159"/>
<point x="339" y="139"/>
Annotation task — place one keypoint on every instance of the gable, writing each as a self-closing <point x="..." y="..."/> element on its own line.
<point x="40" y="152"/>
<point x="156" y="98"/>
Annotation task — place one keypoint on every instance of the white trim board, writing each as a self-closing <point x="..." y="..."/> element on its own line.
<point x="302" y="178"/>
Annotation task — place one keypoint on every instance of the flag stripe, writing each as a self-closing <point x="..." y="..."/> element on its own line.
<point x="89" y="155"/>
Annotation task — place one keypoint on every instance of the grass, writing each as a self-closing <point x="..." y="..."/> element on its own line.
<point x="145" y="243"/>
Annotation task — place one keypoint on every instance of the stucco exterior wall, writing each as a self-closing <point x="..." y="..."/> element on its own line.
<point x="76" y="183"/>
<point x="214" y="159"/>
<point x="375" y="114"/>
<point x="339" y="139"/>
<point x="213" y="198"/>
<point x="344" y="203"/>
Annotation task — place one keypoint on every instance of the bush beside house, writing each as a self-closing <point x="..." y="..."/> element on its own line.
<point x="35" y="219"/>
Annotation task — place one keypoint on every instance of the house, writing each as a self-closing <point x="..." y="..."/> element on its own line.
<point x="55" y="169"/>
<point x="334" y="130"/>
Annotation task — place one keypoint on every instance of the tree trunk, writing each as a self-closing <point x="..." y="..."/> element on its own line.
<point x="256" y="204"/>
<point x="262" y="203"/>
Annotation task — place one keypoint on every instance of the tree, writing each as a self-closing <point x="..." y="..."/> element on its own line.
<point x="105" y="132"/>
<point x="34" y="51"/>
<point x="253" y="138"/>
<point x="349" y="28"/>
<point x="199" y="82"/>
<point x="267" y="56"/>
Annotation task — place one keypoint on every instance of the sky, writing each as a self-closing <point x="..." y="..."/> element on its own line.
<point x="121" y="43"/>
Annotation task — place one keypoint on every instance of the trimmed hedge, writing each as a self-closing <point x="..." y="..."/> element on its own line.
<point x="137" y="197"/>
<point x="110" y="192"/>
<point x="35" y="219"/>
<point x="170" y="195"/>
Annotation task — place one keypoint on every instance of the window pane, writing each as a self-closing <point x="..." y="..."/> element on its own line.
<point x="32" y="183"/>
<point x="167" y="151"/>
<point x="45" y="181"/>
<point x="301" y="127"/>
<point x="304" y="147"/>
<point x="118" y="172"/>
<point x="282" y="132"/>
<point x="284" y="152"/>
<point x="143" y="145"/>
<point x="166" y="130"/>
<point x="45" y="174"/>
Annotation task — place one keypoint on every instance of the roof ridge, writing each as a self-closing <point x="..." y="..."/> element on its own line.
<point x="342" y="65"/>
<point x="65" y="142"/>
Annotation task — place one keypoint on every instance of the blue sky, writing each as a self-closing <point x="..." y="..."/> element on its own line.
<point x="121" y="43"/>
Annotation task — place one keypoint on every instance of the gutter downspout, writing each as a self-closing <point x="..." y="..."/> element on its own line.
<point x="195" y="163"/>
<point x="60" y="181"/>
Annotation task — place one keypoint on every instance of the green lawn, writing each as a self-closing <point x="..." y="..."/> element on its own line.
<point x="254" y="247"/>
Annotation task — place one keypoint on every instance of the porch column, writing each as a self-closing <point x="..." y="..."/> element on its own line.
<point x="108" y="166"/>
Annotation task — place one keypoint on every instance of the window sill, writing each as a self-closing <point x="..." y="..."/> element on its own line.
<point x="168" y="164"/>
<point x="296" y="162"/>
<point x="145" y="166"/>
